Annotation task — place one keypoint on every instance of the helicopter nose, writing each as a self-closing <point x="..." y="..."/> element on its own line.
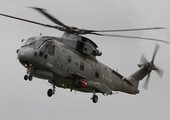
<point x="25" y="54"/>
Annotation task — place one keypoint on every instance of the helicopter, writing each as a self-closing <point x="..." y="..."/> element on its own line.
<point x="70" y="62"/>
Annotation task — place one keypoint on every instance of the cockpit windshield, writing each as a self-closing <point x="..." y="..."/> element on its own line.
<point x="33" y="43"/>
<point x="44" y="45"/>
<point x="38" y="43"/>
<point x="29" y="42"/>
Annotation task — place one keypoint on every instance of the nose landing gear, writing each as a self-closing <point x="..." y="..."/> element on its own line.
<point x="28" y="77"/>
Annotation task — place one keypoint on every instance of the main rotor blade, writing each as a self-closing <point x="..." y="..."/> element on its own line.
<point x="56" y="21"/>
<point x="133" y="37"/>
<point x="125" y="30"/>
<point x="145" y="85"/>
<point x="155" y="52"/>
<point x="38" y="23"/>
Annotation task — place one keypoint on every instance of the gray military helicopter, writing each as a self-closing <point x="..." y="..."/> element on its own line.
<point x="70" y="61"/>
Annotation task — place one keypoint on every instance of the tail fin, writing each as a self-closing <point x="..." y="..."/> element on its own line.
<point x="137" y="76"/>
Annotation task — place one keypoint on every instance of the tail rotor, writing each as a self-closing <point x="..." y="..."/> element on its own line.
<point x="151" y="66"/>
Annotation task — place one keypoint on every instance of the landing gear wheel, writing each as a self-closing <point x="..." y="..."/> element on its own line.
<point x="95" y="98"/>
<point x="30" y="78"/>
<point x="50" y="92"/>
<point x="26" y="77"/>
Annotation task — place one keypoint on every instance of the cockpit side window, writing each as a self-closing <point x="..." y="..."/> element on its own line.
<point x="48" y="47"/>
<point x="44" y="47"/>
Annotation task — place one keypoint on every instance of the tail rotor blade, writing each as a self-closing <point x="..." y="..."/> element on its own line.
<point x="160" y="72"/>
<point x="143" y="59"/>
<point x="145" y="86"/>
<point x="155" y="52"/>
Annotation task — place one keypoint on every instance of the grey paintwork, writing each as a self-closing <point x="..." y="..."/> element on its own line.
<point x="73" y="68"/>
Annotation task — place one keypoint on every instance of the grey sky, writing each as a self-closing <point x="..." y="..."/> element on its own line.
<point x="23" y="100"/>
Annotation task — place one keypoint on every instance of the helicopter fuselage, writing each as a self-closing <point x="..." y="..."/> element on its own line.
<point x="63" y="66"/>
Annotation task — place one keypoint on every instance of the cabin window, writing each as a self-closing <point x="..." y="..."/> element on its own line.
<point x="97" y="73"/>
<point x="82" y="66"/>
<point x="69" y="59"/>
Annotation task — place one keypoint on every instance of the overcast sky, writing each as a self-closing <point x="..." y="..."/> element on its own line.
<point x="24" y="100"/>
